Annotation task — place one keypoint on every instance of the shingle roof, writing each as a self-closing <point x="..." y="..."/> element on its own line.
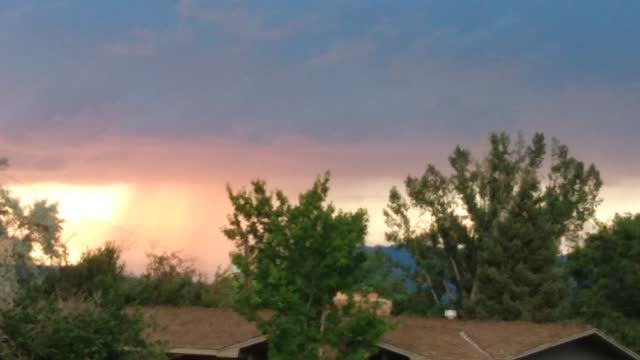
<point x="198" y="328"/>
<point x="444" y="339"/>
<point x="432" y="338"/>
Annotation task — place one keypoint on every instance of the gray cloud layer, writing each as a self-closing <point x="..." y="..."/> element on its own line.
<point x="344" y="72"/>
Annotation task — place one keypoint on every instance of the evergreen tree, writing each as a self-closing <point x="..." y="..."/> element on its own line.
<point x="495" y="225"/>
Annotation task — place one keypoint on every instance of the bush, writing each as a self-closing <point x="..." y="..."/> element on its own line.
<point x="172" y="280"/>
<point x="99" y="272"/>
<point x="39" y="328"/>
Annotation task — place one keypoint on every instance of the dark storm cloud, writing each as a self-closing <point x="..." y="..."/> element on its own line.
<point x="337" y="72"/>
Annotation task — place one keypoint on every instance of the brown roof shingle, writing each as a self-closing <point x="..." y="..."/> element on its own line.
<point x="444" y="339"/>
<point x="433" y="338"/>
<point x="198" y="328"/>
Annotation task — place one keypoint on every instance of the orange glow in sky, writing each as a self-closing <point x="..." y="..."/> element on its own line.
<point x="88" y="210"/>
<point x="188" y="217"/>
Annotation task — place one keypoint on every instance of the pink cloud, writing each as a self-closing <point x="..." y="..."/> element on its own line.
<point x="177" y="200"/>
<point x="133" y="159"/>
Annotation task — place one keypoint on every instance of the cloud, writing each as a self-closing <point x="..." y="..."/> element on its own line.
<point x="142" y="43"/>
<point x="132" y="159"/>
<point x="13" y="13"/>
<point x="10" y="17"/>
<point x="175" y="189"/>
<point x="292" y="101"/>
<point x="249" y="25"/>
<point x="344" y="50"/>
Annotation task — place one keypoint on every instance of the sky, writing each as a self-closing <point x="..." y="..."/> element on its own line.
<point x="133" y="115"/>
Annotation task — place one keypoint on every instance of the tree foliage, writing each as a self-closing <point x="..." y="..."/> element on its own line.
<point x="99" y="273"/>
<point x="606" y="271"/>
<point x="394" y="281"/>
<point x="40" y="328"/>
<point x="495" y="225"/>
<point x="168" y="279"/>
<point x="250" y="223"/>
<point x="33" y="324"/>
<point x="77" y="312"/>
<point x="172" y="280"/>
<point x="25" y="231"/>
<point x="297" y="257"/>
<point x="381" y="275"/>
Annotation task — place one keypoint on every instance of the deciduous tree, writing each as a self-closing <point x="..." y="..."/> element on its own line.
<point x="301" y="256"/>
<point x="495" y="225"/>
<point x="606" y="271"/>
<point x="33" y="324"/>
<point x="24" y="231"/>
<point x="249" y="223"/>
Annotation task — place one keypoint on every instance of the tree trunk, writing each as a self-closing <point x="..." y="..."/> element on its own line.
<point x="431" y="288"/>
<point x="461" y="289"/>
<point x="323" y="319"/>
<point x="474" y="291"/>
<point x="455" y="269"/>
<point x="246" y="288"/>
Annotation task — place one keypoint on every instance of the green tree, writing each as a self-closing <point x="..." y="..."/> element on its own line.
<point x="249" y="224"/>
<point x="606" y="271"/>
<point x="300" y="257"/>
<point x="40" y="328"/>
<point x="495" y="226"/>
<point x="33" y="324"/>
<point x="25" y="231"/>
<point x="171" y="280"/>
<point x="100" y="272"/>
<point x="391" y="279"/>
<point x="77" y="312"/>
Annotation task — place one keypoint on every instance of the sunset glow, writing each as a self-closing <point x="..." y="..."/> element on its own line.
<point x="78" y="203"/>
<point x="135" y="121"/>
<point x="88" y="211"/>
<point x="188" y="218"/>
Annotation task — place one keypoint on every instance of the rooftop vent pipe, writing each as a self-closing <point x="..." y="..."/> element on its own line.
<point x="450" y="314"/>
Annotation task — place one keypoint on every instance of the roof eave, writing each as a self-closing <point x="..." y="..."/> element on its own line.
<point x="397" y="350"/>
<point x="569" y="339"/>
<point x="229" y="351"/>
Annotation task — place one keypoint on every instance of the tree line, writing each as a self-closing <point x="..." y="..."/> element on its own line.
<point x="507" y="236"/>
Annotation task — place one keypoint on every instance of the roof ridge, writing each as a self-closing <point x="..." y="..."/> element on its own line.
<point x="475" y="345"/>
